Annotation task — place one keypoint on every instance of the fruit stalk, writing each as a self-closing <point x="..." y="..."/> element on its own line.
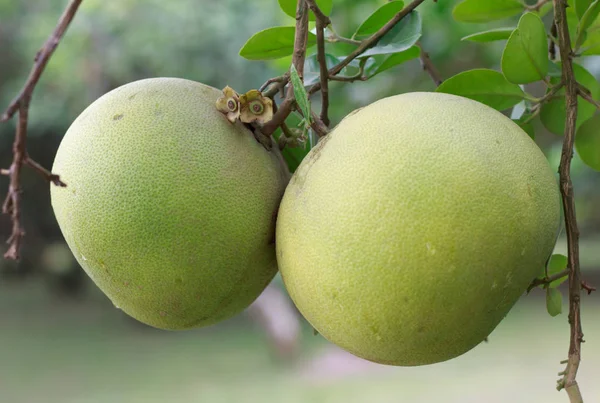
<point x="12" y="203"/>
<point x="566" y="187"/>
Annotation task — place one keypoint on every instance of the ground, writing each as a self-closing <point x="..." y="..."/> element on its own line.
<point x="88" y="352"/>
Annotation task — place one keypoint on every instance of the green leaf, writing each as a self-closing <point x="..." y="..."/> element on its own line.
<point x="289" y="7"/>
<point x="486" y="86"/>
<point x="300" y="93"/>
<point x="553" y="113"/>
<point x="400" y="38"/>
<point x="498" y="34"/>
<point x="486" y="10"/>
<point x="383" y="63"/>
<point x="557" y="264"/>
<point x="553" y="301"/>
<point x="581" y="6"/>
<point x="379" y="18"/>
<point x="586" y="21"/>
<point x="272" y="43"/>
<point x="525" y="59"/>
<point x="589" y="16"/>
<point x="587" y="142"/>
<point x="591" y="44"/>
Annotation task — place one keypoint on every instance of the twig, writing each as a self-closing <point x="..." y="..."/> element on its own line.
<point x="49" y="176"/>
<point x="41" y="59"/>
<point x="585" y="94"/>
<point x="369" y="42"/>
<point x="286" y="106"/>
<point x="547" y="280"/>
<point x="300" y="40"/>
<point x="322" y="22"/>
<point x="587" y="287"/>
<point x="318" y="126"/>
<point x="312" y="4"/>
<point x="358" y="76"/>
<point x="429" y="67"/>
<point x="12" y="203"/>
<point x="566" y="54"/>
<point x="280" y="80"/>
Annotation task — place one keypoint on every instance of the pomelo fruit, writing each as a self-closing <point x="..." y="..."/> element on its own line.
<point x="408" y="233"/>
<point x="169" y="207"/>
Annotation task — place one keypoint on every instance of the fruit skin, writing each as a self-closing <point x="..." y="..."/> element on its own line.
<point x="409" y="232"/>
<point x="169" y="208"/>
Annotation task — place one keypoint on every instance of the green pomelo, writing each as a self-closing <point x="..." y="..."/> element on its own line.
<point x="409" y="232"/>
<point x="169" y="208"/>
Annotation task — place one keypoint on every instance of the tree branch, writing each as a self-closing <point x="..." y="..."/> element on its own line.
<point x="312" y="4"/>
<point x="585" y="94"/>
<point x="369" y="42"/>
<point x="41" y="59"/>
<point x="547" y="280"/>
<point x="298" y="60"/>
<point x="571" y="89"/>
<point x="429" y="67"/>
<point x="324" y="76"/>
<point x="12" y="203"/>
<point x="301" y="31"/>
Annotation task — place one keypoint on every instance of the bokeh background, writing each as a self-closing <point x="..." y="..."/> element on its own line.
<point x="62" y="341"/>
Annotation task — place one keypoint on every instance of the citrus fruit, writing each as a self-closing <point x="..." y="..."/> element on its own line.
<point x="169" y="207"/>
<point x="408" y="233"/>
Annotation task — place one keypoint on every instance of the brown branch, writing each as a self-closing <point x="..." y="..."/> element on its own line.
<point x="547" y="280"/>
<point x="324" y="76"/>
<point x="49" y="176"/>
<point x="319" y="126"/>
<point x="312" y="4"/>
<point x="281" y="82"/>
<point x="286" y="106"/>
<point x="568" y="77"/>
<point x="12" y="203"/>
<point x="369" y="42"/>
<point x="41" y="59"/>
<point x="585" y="94"/>
<point x="429" y="67"/>
<point x="299" y="54"/>
<point x="587" y="287"/>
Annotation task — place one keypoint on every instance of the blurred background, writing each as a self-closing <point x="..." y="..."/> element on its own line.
<point x="62" y="341"/>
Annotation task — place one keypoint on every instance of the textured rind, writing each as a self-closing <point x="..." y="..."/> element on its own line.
<point x="169" y="208"/>
<point x="408" y="234"/>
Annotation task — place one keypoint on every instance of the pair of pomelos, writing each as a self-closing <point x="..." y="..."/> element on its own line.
<point x="405" y="236"/>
